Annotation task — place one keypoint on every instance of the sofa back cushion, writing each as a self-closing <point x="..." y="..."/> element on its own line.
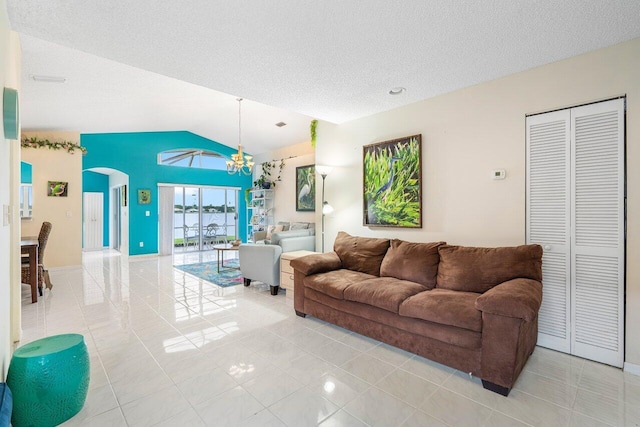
<point x="416" y="262"/>
<point x="471" y="269"/>
<point x="363" y="254"/>
<point x="299" y="225"/>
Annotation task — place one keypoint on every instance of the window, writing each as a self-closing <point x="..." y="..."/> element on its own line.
<point x="193" y="158"/>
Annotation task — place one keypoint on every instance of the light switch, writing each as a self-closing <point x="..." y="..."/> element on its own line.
<point x="69" y="214"/>
<point x="147" y="213"/>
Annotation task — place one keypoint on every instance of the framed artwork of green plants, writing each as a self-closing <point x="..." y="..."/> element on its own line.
<point x="306" y="188"/>
<point x="392" y="184"/>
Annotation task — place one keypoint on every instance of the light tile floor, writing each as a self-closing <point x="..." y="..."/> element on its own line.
<point x="168" y="349"/>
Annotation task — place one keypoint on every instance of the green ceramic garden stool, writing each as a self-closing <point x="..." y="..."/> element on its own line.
<point x="49" y="379"/>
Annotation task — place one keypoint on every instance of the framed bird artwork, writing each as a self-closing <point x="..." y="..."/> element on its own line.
<point x="57" y="188"/>
<point x="306" y="188"/>
<point x="392" y="183"/>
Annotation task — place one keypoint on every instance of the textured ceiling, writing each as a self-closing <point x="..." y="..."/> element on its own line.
<point x="331" y="60"/>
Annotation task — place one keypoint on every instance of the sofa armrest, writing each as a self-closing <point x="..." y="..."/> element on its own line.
<point x="303" y="243"/>
<point x="519" y="298"/>
<point x="316" y="263"/>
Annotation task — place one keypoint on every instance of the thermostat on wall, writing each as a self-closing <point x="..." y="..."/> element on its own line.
<point x="499" y="174"/>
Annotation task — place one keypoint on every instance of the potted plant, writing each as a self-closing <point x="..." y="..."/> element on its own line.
<point x="265" y="181"/>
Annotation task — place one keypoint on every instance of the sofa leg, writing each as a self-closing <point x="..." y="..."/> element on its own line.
<point x="301" y="314"/>
<point x="496" y="388"/>
<point x="274" y="290"/>
<point x="247" y="282"/>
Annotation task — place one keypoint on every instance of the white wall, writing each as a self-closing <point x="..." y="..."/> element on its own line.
<point x="466" y="134"/>
<point x="285" y="191"/>
<point x="9" y="178"/>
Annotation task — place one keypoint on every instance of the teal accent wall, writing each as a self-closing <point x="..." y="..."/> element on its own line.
<point x="26" y="173"/>
<point x="136" y="154"/>
<point x="99" y="183"/>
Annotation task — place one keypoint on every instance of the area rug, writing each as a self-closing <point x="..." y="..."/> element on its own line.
<point x="209" y="271"/>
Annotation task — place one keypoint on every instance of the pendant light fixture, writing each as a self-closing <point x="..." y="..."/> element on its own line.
<point x="240" y="163"/>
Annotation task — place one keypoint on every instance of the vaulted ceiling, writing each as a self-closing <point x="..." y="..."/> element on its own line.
<point x="179" y="65"/>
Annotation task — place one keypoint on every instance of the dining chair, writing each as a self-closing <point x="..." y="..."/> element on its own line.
<point x="43" y="273"/>
<point x="211" y="234"/>
<point x="191" y="237"/>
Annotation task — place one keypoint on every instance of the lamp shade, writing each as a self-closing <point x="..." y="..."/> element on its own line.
<point x="326" y="208"/>
<point x="323" y="169"/>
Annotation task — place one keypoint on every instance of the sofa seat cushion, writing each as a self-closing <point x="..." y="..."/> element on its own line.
<point x="453" y="308"/>
<point x="447" y="334"/>
<point x="386" y="293"/>
<point x="333" y="283"/>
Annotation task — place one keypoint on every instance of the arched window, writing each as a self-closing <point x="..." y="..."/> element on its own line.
<point x="193" y="158"/>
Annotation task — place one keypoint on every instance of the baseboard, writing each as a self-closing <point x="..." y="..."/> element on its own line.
<point x="142" y="257"/>
<point x="631" y="368"/>
<point x="63" y="267"/>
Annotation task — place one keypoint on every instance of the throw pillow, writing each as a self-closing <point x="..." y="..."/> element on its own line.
<point x="284" y="224"/>
<point x="273" y="229"/>
<point x="416" y="262"/>
<point x="480" y="269"/>
<point x="363" y="254"/>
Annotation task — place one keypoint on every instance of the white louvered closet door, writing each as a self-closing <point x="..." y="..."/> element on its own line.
<point x="548" y="198"/>
<point x="597" y="238"/>
<point x="575" y="210"/>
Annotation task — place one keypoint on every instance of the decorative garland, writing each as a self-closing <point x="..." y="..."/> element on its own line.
<point x="68" y="146"/>
<point x="314" y="124"/>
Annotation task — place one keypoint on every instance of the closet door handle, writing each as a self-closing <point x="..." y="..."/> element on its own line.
<point x="547" y="247"/>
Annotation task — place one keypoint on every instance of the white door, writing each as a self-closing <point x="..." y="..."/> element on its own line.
<point x="575" y="210"/>
<point x="92" y="220"/>
<point x="548" y="189"/>
<point x="597" y="238"/>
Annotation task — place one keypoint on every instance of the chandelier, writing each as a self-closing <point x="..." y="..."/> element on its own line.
<point x="240" y="163"/>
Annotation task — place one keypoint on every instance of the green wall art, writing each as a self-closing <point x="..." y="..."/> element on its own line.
<point x="306" y="188"/>
<point x="57" y="188"/>
<point x="144" y="196"/>
<point x="392" y="192"/>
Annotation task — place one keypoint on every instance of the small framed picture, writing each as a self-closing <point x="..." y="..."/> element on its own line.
<point x="144" y="196"/>
<point x="57" y="188"/>
<point x="123" y="195"/>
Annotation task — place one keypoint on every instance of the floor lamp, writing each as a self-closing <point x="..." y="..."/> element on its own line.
<point x="326" y="207"/>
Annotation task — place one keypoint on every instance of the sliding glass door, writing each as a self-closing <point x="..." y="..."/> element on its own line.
<point x="204" y="216"/>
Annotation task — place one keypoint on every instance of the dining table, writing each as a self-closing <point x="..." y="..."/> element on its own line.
<point x="29" y="246"/>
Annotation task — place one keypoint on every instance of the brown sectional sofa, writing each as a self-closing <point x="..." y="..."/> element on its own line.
<point x="474" y="309"/>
